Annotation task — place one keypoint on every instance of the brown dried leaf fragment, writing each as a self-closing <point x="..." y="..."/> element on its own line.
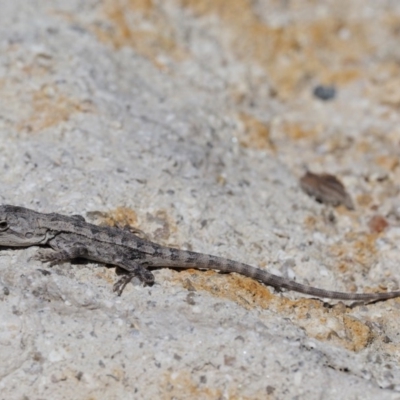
<point x="327" y="189"/>
<point x="377" y="224"/>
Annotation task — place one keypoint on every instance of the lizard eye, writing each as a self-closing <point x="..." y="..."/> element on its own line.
<point x="3" y="225"/>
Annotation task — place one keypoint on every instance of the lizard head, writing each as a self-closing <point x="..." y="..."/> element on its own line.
<point x="19" y="227"/>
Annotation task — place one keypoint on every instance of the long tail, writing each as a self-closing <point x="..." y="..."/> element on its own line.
<point x="188" y="259"/>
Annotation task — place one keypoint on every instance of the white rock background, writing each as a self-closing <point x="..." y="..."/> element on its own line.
<point x="193" y="122"/>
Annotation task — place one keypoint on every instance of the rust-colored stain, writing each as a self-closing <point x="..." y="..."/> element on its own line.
<point x="50" y="107"/>
<point x="256" y="133"/>
<point x="141" y="25"/>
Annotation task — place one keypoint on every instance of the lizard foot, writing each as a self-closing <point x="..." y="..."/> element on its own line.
<point x="51" y="257"/>
<point x="142" y="273"/>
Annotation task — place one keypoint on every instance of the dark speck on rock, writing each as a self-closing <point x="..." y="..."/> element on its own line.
<point x="324" y="93"/>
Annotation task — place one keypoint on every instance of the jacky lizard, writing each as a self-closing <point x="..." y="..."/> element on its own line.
<point x="72" y="237"/>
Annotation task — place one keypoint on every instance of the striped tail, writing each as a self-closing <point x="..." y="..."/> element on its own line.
<point x="188" y="259"/>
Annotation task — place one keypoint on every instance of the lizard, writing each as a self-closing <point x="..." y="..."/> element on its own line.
<point x="70" y="237"/>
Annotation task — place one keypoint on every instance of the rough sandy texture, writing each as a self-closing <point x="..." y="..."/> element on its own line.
<point x="193" y="120"/>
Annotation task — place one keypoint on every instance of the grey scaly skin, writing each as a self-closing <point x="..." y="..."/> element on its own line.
<point x="72" y="237"/>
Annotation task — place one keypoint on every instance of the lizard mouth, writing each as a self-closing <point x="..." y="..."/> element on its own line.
<point x="16" y="239"/>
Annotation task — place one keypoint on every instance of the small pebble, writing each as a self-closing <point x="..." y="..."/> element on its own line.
<point x="324" y="93"/>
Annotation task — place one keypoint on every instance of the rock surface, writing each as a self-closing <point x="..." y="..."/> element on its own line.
<point x="193" y="121"/>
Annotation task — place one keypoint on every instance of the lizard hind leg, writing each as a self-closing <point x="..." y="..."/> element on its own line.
<point x="139" y="271"/>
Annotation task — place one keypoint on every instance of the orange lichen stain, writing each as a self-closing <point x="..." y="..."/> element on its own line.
<point x="325" y="324"/>
<point x="363" y="147"/>
<point x="341" y="330"/>
<point x="364" y="200"/>
<point x="180" y="384"/>
<point x="343" y="267"/>
<point x="121" y="216"/>
<point x="159" y="223"/>
<point x="296" y="131"/>
<point x="50" y="108"/>
<point x="392" y="22"/>
<point x="332" y="325"/>
<point x="342" y="77"/>
<point x="358" y="248"/>
<point x="293" y="53"/>
<point x="256" y="133"/>
<point x="364" y="248"/>
<point x="141" y="25"/>
<point x="388" y="93"/>
<point x="388" y="162"/>
<point x="146" y="7"/>
<point x="300" y="308"/>
<point x="310" y="222"/>
<point x="384" y="87"/>
<point x="358" y="334"/>
<point x="242" y="290"/>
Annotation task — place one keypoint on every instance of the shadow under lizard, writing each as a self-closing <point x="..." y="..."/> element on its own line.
<point x="72" y="237"/>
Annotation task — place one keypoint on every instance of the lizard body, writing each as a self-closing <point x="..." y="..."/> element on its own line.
<point x="72" y="237"/>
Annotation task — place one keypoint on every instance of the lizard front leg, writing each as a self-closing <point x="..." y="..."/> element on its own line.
<point x="134" y="269"/>
<point x="64" y="248"/>
<point x="69" y="246"/>
<point x="59" y="256"/>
